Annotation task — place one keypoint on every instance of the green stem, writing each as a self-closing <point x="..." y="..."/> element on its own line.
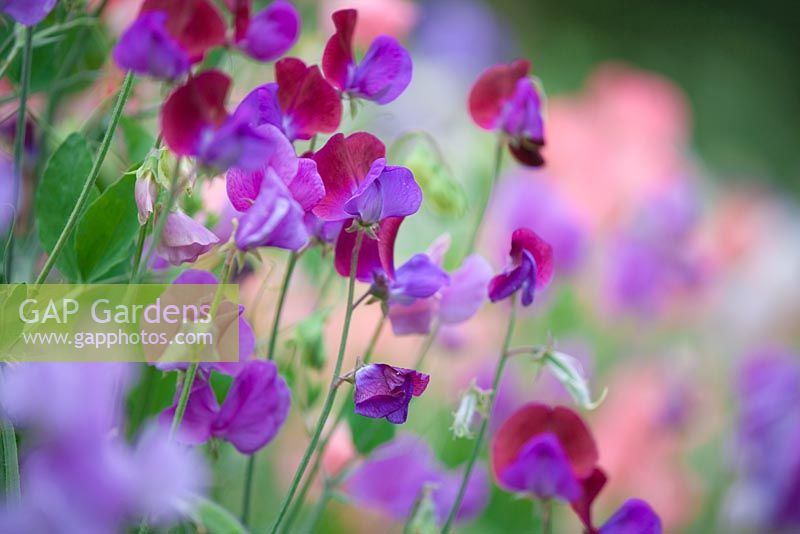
<point x="426" y="347"/>
<point x="10" y="474"/>
<point x="476" y="449"/>
<point x="90" y="180"/>
<point x="137" y="258"/>
<point x="498" y="161"/>
<point x="547" y="517"/>
<point x="248" y="486"/>
<point x="323" y="444"/>
<point x="191" y="372"/>
<point x="287" y="277"/>
<point x="331" y="396"/>
<point x="12" y="55"/>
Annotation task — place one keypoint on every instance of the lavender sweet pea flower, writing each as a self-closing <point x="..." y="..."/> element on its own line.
<point x="255" y="408"/>
<point x="147" y="48"/>
<point x="392" y="479"/>
<point x="382" y="75"/>
<point x="184" y="239"/>
<point x="27" y="12"/>
<point x="531" y="268"/>
<point x="383" y="391"/>
<point x="418" y="278"/>
<point x="542" y="470"/>
<point x="270" y="33"/>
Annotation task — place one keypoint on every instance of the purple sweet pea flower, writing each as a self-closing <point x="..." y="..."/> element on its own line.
<point x="184" y="239"/>
<point x="323" y="231"/>
<point x="633" y="517"/>
<point x="385" y="391"/>
<point x="147" y="48"/>
<point x="542" y="470"/>
<point x="384" y="72"/>
<point x="418" y="278"/>
<point x="256" y="406"/>
<point x="531" y="268"/>
<point x="270" y="33"/>
<point x="27" y="12"/>
<point x="454" y="303"/>
<point x="392" y="478"/>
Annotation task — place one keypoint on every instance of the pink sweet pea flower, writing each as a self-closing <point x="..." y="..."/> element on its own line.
<point x="184" y="239"/>
<point x="505" y="99"/>
<point x="381" y="76"/>
<point x="531" y="268"/>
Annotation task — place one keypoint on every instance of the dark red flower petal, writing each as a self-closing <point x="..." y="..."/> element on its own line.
<point x="542" y="251"/>
<point x="343" y="163"/>
<point x="309" y="102"/>
<point x="591" y="486"/>
<point x="196" y="24"/>
<point x="534" y="419"/>
<point x="374" y="256"/>
<point x="527" y="152"/>
<point x="492" y="89"/>
<point x="241" y="17"/>
<point x="338" y="55"/>
<point x="196" y="105"/>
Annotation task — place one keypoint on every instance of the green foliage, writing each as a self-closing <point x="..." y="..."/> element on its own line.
<point x="138" y="140"/>
<point x="57" y="195"/>
<point x="368" y="433"/>
<point x="11" y="297"/>
<point x="214" y="519"/>
<point x="309" y="339"/>
<point x="106" y="231"/>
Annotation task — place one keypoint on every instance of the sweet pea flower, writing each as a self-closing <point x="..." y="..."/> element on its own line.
<point x="275" y="198"/>
<point x="454" y="302"/>
<point x="8" y="204"/>
<point x="393" y="477"/>
<point x="635" y="516"/>
<point x="184" y="239"/>
<point x="27" y="12"/>
<point x="505" y="99"/>
<point x="383" y="391"/>
<point x="246" y="341"/>
<point x="381" y="76"/>
<point x="270" y="33"/>
<point x="145" y="192"/>
<point x="146" y="47"/>
<point x="543" y="452"/>
<point x="301" y="102"/>
<point x="531" y="268"/>
<point x="194" y="122"/>
<point x="255" y="408"/>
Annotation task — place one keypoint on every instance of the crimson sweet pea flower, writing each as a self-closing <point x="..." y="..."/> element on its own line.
<point x="531" y="268"/>
<point x="301" y="103"/>
<point x="27" y="12"/>
<point x="544" y="452"/>
<point x="270" y="33"/>
<point x="505" y="99"/>
<point x="194" y="122"/>
<point x="383" y="391"/>
<point x="384" y="72"/>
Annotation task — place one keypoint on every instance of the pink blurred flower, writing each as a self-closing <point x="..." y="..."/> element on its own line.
<point x="375" y="17"/>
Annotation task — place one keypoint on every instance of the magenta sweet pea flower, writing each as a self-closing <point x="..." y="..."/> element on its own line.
<point x="196" y="25"/>
<point x="531" y="268"/>
<point x="27" y="12"/>
<point x="270" y="33"/>
<point x="301" y="102"/>
<point x="184" y="239"/>
<point x="254" y="409"/>
<point x="383" y="391"/>
<point x="505" y="99"/>
<point x="542" y="470"/>
<point x="146" y="47"/>
<point x="275" y="199"/>
<point x="194" y="122"/>
<point x="381" y="76"/>
<point x="376" y="256"/>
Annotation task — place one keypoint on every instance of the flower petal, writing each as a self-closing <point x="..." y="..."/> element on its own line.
<point x="467" y="290"/>
<point x="196" y="24"/>
<point x="337" y="58"/>
<point x="147" y="48"/>
<point x="272" y="32"/>
<point x="255" y="408"/>
<point x="201" y="411"/>
<point x="310" y="104"/>
<point x="400" y="193"/>
<point x="542" y="470"/>
<point x="527" y="239"/>
<point x="418" y="278"/>
<point x="28" y="12"/>
<point x="384" y="73"/>
<point x="375" y="255"/>
<point x="591" y="486"/>
<point x="261" y="107"/>
<point x="306" y="186"/>
<point x="414" y="318"/>
<point x="633" y="517"/>
<point x="343" y="163"/>
<point x="492" y="90"/>
<point x="184" y="239"/>
<point x="506" y="284"/>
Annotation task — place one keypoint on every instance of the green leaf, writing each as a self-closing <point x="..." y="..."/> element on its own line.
<point x="106" y="231"/>
<point x="214" y="519"/>
<point x="368" y="433"/>
<point x="57" y="195"/>
<point x="138" y="140"/>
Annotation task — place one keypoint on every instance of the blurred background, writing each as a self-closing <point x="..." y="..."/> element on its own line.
<point x="670" y="195"/>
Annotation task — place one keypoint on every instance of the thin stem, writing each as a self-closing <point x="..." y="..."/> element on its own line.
<point x="191" y="372"/>
<point x="248" y="487"/>
<point x="323" y="444"/>
<point x="137" y="258"/>
<point x="498" y="161"/>
<point x="426" y="347"/>
<point x="326" y="409"/>
<point x="476" y="449"/>
<point x="287" y="277"/>
<point x="10" y="474"/>
<point x="90" y="180"/>
<point x="12" y="55"/>
<point x="547" y="516"/>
